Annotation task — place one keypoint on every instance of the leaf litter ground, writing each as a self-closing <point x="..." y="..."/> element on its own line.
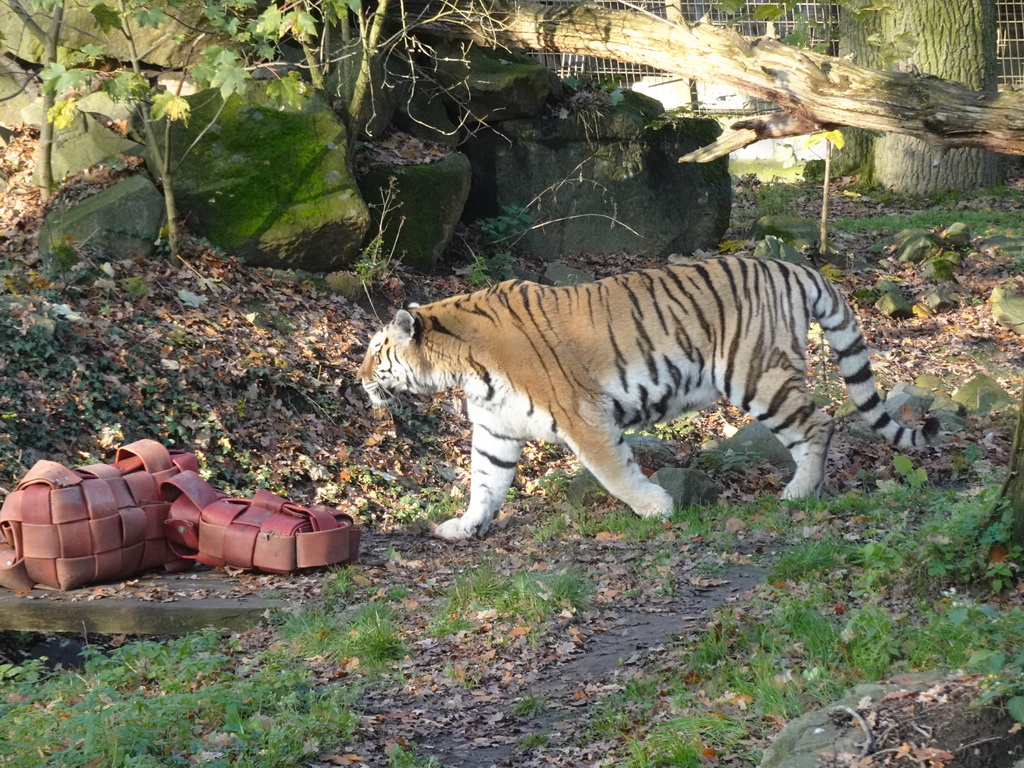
<point x="263" y="364"/>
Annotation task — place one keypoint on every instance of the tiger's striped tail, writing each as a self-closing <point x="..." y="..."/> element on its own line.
<point x="843" y="332"/>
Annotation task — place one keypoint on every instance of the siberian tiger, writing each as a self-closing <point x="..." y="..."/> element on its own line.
<point x="579" y="364"/>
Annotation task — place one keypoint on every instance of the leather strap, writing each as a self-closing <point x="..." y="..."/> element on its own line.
<point x="265" y="533"/>
<point x="62" y="528"/>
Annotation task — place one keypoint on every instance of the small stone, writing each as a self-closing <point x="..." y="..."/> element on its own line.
<point x="982" y="394"/>
<point x="915" y="245"/>
<point x="774" y="248"/>
<point x="939" y="269"/>
<point x="938" y="300"/>
<point x="895" y="305"/>
<point x="584" y="490"/>
<point x="559" y="273"/>
<point x="1008" y="309"/>
<point x="755" y="439"/>
<point x="884" y="285"/>
<point x="958" y="235"/>
<point x="905" y="401"/>
<point x="687" y="487"/>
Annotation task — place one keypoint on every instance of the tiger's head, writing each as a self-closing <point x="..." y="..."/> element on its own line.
<point x="394" y="361"/>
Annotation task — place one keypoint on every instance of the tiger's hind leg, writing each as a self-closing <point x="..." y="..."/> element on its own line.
<point x="787" y="409"/>
<point x="604" y="451"/>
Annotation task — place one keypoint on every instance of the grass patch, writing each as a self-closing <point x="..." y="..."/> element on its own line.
<point x="827" y="619"/>
<point x="530" y="706"/>
<point x="524" y="596"/>
<point x="809" y="559"/>
<point x="368" y="638"/>
<point x="172" y="703"/>
<point x="979" y="222"/>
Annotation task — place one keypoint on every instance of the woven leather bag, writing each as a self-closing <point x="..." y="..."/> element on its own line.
<point x="265" y="533"/>
<point x="63" y="528"/>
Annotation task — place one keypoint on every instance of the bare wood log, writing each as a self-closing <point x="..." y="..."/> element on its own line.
<point x="817" y="92"/>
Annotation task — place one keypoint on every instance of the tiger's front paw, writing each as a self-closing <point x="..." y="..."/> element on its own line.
<point x="452" y="530"/>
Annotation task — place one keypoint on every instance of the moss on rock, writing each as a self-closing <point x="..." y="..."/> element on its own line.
<point x="429" y="200"/>
<point x="269" y="184"/>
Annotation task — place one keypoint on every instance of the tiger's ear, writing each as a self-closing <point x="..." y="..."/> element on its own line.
<point x="404" y="326"/>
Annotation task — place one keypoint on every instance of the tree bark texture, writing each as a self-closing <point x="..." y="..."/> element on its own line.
<point x="816" y="92"/>
<point x="954" y="40"/>
<point x="858" y="21"/>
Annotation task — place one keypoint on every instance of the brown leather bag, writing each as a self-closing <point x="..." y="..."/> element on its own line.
<point x="63" y="528"/>
<point x="264" y="533"/>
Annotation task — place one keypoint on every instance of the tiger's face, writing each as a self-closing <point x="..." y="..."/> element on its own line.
<point x="385" y="369"/>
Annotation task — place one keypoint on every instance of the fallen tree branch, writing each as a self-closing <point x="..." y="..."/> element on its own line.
<point x="816" y="92"/>
<point x="775" y="126"/>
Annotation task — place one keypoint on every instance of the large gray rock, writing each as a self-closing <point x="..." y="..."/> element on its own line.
<point x="19" y="91"/>
<point x="171" y="44"/>
<point x="85" y="143"/>
<point x="380" y="102"/>
<point x="602" y="183"/>
<point x="494" y="85"/>
<point x="121" y="221"/>
<point x="428" y="202"/>
<point x="268" y="183"/>
<point x="422" y="113"/>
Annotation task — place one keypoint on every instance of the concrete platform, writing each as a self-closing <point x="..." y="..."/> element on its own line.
<point x="155" y="604"/>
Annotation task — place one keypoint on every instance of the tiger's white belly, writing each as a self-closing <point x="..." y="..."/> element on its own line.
<point x="505" y="411"/>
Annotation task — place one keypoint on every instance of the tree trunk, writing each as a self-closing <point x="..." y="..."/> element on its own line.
<point x="954" y="40"/>
<point x="817" y="92"/>
<point x="858" y="21"/>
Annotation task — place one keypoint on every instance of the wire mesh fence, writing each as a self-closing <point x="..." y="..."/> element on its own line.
<point x="811" y="23"/>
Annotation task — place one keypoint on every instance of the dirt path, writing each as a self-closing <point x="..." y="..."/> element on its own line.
<point x="505" y="693"/>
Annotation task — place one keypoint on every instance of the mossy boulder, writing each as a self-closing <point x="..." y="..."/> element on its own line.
<point x="122" y="220"/>
<point x="422" y="113"/>
<point x="268" y="183"/>
<point x="497" y="84"/>
<point x="799" y="232"/>
<point x="605" y="186"/>
<point x="915" y="245"/>
<point x="426" y="200"/>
